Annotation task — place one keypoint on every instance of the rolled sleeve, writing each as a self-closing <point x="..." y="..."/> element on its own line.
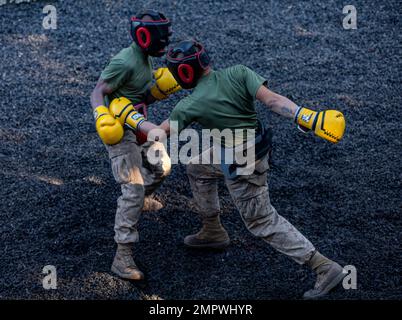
<point x="253" y="81"/>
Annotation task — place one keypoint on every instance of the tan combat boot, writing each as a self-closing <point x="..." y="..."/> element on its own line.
<point x="329" y="275"/>
<point x="212" y="235"/>
<point x="124" y="265"/>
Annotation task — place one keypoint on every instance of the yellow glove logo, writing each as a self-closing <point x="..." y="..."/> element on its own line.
<point x="306" y="118"/>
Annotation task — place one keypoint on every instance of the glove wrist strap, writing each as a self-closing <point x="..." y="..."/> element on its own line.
<point x="297" y="113"/>
<point x="100" y="111"/>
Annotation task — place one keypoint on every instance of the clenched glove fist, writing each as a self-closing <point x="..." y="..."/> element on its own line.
<point x="329" y="125"/>
<point x="165" y="84"/>
<point x="109" y="129"/>
<point x="126" y="114"/>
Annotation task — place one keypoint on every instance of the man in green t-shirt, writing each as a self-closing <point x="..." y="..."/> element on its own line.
<point x="130" y="74"/>
<point x="223" y="100"/>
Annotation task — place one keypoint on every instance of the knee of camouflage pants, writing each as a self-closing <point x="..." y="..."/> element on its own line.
<point x="251" y="196"/>
<point x="203" y="182"/>
<point x="264" y="222"/>
<point x="259" y="216"/>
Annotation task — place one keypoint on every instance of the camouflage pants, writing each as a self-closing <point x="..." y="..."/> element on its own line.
<point x="137" y="177"/>
<point x="251" y="197"/>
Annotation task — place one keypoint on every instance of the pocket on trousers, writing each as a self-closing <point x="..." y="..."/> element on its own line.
<point x="125" y="169"/>
<point x="120" y="169"/>
<point x="254" y="208"/>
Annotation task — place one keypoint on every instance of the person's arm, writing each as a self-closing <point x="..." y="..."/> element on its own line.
<point x="99" y="92"/>
<point x="277" y="103"/>
<point x="123" y="111"/>
<point x="109" y="129"/>
<point x="147" y="126"/>
<point x="328" y="124"/>
<point x="127" y="115"/>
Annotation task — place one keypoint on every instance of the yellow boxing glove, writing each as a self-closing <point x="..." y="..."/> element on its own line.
<point x="329" y="125"/>
<point x="125" y="113"/>
<point x="165" y="84"/>
<point x="109" y="129"/>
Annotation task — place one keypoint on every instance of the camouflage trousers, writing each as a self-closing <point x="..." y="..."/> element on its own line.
<point x="251" y="197"/>
<point x="137" y="178"/>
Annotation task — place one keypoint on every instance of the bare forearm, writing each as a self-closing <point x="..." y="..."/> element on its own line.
<point x="97" y="99"/>
<point x="283" y="106"/>
<point x="98" y="94"/>
<point x="146" y="127"/>
<point x="277" y="103"/>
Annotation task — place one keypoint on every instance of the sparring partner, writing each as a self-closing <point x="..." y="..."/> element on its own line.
<point x="224" y="99"/>
<point x="130" y="74"/>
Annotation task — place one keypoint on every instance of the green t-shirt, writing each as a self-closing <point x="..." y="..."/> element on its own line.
<point x="129" y="74"/>
<point x="221" y="100"/>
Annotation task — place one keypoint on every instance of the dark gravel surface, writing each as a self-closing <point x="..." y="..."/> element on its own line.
<point x="58" y="195"/>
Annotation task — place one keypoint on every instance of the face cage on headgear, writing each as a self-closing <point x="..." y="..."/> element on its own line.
<point x="152" y="36"/>
<point x="188" y="69"/>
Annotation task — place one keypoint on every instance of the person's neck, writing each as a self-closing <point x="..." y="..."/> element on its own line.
<point x="137" y="48"/>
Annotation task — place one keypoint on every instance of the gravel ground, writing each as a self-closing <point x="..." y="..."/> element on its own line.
<point x="58" y="195"/>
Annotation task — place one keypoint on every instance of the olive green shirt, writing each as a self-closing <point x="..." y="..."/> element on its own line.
<point x="128" y="74"/>
<point x="221" y="100"/>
